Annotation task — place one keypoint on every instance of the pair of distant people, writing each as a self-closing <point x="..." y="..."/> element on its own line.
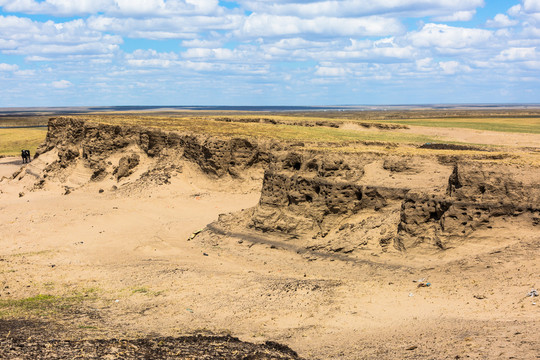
<point x="25" y="156"/>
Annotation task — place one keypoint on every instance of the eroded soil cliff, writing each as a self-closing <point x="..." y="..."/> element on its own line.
<point x="339" y="202"/>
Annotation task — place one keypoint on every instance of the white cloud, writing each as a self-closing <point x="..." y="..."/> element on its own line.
<point x="444" y="37"/>
<point x="449" y="67"/>
<point x="202" y="43"/>
<point x="274" y="25"/>
<point x="120" y="8"/>
<point x="517" y="54"/>
<point x="61" y="84"/>
<point x="25" y="72"/>
<point x="500" y="21"/>
<point x="186" y="27"/>
<point x="425" y="64"/>
<point x="531" y="5"/>
<point x="8" y="67"/>
<point x="357" y="8"/>
<point x="22" y="36"/>
<point x="151" y="58"/>
<point x="330" y="71"/>
<point x="457" y="16"/>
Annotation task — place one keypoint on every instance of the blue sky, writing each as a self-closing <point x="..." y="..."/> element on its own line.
<point x="268" y="52"/>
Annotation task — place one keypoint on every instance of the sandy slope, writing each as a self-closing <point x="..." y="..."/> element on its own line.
<point x="130" y="247"/>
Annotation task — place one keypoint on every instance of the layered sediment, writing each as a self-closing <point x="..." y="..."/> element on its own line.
<point x="328" y="201"/>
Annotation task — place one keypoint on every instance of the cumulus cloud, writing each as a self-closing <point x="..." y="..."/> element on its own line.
<point x="257" y="25"/>
<point x="178" y="27"/>
<point x="445" y="38"/>
<point x="457" y="16"/>
<point x="116" y="7"/>
<point x="517" y="54"/>
<point x="22" y="36"/>
<point x="61" y="84"/>
<point x="8" y="67"/>
<point x="500" y="21"/>
<point x="330" y="71"/>
<point x="151" y="58"/>
<point x="202" y="43"/>
<point x="531" y="5"/>
<point x="357" y="8"/>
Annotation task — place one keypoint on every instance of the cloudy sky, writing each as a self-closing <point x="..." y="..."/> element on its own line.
<point x="268" y="52"/>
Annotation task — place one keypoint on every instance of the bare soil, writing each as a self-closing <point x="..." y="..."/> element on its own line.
<point x="167" y="252"/>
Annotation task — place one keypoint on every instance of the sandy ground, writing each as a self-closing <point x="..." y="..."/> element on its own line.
<point x="130" y="250"/>
<point x="471" y="136"/>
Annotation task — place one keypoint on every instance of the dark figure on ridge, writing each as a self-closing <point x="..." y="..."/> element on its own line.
<point x="25" y="156"/>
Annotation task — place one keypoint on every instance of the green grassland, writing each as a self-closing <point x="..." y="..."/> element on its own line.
<point x="12" y="141"/>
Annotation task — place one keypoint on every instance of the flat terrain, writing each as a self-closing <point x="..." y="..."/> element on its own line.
<point x="123" y="260"/>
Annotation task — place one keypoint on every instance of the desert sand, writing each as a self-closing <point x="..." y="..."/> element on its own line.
<point x="132" y="250"/>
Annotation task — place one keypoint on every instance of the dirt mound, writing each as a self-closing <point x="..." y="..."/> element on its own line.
<point x="26" y="339"/>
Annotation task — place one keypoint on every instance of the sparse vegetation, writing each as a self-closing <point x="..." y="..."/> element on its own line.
<point x="45" y="304"/>
<point x="261" y="130"/>
<point x="39" y="305"/>
<point x="517" y="125"/>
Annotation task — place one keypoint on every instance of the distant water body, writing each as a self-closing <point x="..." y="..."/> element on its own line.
<point x="81" y="110"/>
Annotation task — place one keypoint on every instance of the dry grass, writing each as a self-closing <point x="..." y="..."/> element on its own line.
<point x="517" y="125"/>
<point x="12" y="141"/>
<point x="315" y="134"/>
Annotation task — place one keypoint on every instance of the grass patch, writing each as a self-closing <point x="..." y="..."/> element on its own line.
<point x="35" y="253"/>
<point x="44" y="305"/>
<point x="529" y="125"/>
<point x="261" y="130"/>
<point x="146" y="291"/>
<point x="12" y="141"/>
<point x="39" y="305"/>
<point x="140" y="290"/>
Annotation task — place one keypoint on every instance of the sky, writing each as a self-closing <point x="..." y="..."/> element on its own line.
<point x="268" y="52"/>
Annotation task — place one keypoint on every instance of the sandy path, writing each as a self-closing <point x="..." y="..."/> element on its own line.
<point x="130" y="250"/>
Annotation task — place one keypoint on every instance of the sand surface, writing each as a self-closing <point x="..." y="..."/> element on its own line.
<point x="481" y="137"/>
<point x="130" y="250"/>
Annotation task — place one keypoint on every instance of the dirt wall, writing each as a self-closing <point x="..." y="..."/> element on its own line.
<point x="342" y="202"/>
